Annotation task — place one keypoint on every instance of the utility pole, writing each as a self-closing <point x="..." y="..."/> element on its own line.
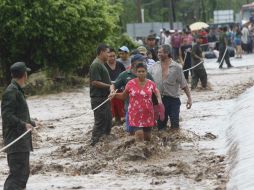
<point x="173" y="10"/>
<point x="138" y="3"/>
<point x="171" y="14"/>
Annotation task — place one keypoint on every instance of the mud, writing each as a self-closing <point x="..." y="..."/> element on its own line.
<point x="62" y="143"/>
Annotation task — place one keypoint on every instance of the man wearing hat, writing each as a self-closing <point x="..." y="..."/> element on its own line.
<point x="16" y="121"/>
<point x="124" y="78"/>
<point x="124" y="56"/>
<point x="151" y="46"/>
<point x="149" y="62"/>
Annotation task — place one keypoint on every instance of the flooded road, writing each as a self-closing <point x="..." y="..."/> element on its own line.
<point x="196" y="157"/>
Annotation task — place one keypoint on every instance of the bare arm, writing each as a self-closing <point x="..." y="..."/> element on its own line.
<point x="121" y="96"/>
<point x="99" y="84"/>
<point x="158" y="95"/>
<point x="188" y="94"/>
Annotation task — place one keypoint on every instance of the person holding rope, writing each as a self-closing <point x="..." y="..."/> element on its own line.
<point x="140" y="109"/>
<point x="16" y="121"/>
<point x="121" y="82"/>
<point x="199" y="72"/>
<point x="169" y="79"/>
<point x="185" y="57"/>
<point x="223" y="51"/>
<point x="99" y="90"/>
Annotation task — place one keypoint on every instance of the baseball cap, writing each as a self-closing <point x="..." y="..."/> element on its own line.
<point x="19" y="67"/>
<point x="142" y="50"/>
<point x="124" y="48"/>
<point x="137" y="57"/>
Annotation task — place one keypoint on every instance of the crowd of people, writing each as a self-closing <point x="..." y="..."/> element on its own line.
<point x="149" y="79"/>
<point x="144" y="89"/>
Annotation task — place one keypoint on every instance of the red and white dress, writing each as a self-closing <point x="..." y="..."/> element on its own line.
<point x="140" y="110"/>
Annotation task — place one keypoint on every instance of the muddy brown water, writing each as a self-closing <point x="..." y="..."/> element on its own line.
<point x="171" y="160"/>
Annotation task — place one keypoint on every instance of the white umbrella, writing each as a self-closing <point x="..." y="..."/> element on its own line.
<point x="198" y="26"/>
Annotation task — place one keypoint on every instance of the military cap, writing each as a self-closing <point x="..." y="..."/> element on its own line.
<point x="142" y="50"/>
<point x="19" y="67"/>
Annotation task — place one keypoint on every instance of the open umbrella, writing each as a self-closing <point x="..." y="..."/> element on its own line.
<point x="198" y="26"/>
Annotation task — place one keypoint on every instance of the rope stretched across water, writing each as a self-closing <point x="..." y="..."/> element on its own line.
<point x="17" y="139"/>
<point x="191" y="67"/>
<point x="24" y="134"/>
<point x="223" y="56"/>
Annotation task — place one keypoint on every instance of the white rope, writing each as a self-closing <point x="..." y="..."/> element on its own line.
<point x="17" y="139"/>
<point x="194" y="66"/>
<point x="21" y="136"/>
<point x="223" y="56"/>
<point x="191" y="67"/>
<point x="103" y="102"/>
<point x="185" y="55"/>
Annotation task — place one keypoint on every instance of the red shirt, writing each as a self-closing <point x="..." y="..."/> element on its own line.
<point x="140" y="110"/>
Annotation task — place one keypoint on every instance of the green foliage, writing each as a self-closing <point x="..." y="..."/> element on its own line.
<point x="117" y="41"/>
<point x="57" y="34"/>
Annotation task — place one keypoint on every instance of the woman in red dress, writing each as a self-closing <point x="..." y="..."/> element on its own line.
<point x="140" y="110"/>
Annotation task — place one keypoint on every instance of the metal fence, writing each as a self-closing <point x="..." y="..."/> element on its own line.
<point x="136" y="30"/>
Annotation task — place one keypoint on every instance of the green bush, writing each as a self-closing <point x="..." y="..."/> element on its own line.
<point x="59" y="35"/>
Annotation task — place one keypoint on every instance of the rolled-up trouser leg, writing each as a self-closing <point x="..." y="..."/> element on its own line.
<point x="19" y="171"/>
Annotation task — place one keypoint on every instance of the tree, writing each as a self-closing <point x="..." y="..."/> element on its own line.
<point x="59" y="35"/>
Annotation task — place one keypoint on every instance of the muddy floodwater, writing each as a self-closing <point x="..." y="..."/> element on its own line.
<point x="195" y="157"/>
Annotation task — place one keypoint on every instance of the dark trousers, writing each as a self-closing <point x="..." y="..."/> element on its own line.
<point x="198" y="74"/>
<point x="102" y="118"/>
<point x="186" y="66"/>
<point x="226" y="57"/>
<point x="172" y="110"/>
<point x="19" y="171"/>
<point x="175" y="53"/>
